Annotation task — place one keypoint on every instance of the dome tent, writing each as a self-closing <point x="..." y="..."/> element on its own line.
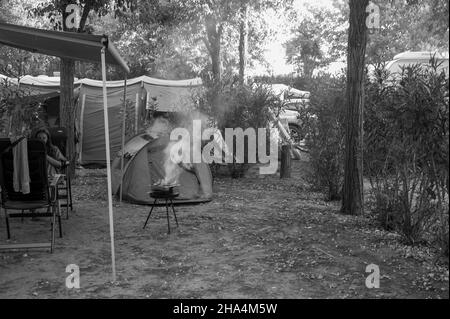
<point x="144" y="164"/>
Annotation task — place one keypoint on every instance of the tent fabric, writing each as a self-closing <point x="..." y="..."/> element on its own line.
<point x="168" y="98"/>
<point x="38" y="85"/>
<point x="171" y="96"/>
<point x="144" y="164"/>
<point x="177" y="83"/>
<point x="8" y="80"/>
<point x="144" y="79"/>
<point x="41" y="81"/>
<point x="79" y="46"/>
<point x="91" y="119"/>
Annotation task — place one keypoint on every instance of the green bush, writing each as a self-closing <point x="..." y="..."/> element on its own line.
<point x="19" y="111"/>
<point x="229" y="104"/>
<point x="324" y="128"/>
<point x="406" y="151"/>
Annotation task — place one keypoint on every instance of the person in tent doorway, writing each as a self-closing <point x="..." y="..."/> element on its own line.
<point x="55" y="159"/>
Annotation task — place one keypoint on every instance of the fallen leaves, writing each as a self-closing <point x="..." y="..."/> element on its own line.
<point x="281" y="227"/>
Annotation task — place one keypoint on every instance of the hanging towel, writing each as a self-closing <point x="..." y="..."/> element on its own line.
<point x="21" y="176"/>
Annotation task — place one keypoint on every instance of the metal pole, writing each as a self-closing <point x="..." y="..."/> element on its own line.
<point x="123" y="135"/>
<point x="108" y="164"/>
<point x="83" y="104"/>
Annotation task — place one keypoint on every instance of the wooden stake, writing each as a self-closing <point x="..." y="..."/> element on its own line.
<point x="285" y="169"/>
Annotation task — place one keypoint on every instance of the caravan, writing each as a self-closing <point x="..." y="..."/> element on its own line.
<point x="294" y="100"/>
<point x="424" y="59"/>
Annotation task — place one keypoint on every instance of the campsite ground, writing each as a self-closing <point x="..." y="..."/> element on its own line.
<point x="260" y="237"/>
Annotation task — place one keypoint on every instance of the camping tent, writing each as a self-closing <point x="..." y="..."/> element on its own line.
<point x="42" y="84"/>
<point x="142" y="93"/>
<point x="145" y="163"/>
<point x="89" y="114"/>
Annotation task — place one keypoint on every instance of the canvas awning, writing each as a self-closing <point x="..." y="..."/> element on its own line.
<point x="78" y="46"/>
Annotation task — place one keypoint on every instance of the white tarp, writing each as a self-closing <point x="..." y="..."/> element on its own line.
<point x="8" y="80"/>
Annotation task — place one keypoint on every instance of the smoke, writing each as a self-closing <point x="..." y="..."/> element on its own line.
<point x="193" y="136"/>
<point x="159" y="129"/>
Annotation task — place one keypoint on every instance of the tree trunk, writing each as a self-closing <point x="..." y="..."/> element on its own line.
<point x="212" y="42"/>
<point x="214" y="34"/>
<point x="216" y="62"/>
<point x="243" y="42"/>
<point x="352" y="195"/>
<point x="285" y="168"/>
<point x="67" y="108"/>
<point x="66" y="105"/>
<point x="308" y="67"/>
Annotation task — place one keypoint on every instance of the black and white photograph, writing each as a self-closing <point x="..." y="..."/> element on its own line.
<point x="224" y="158"/>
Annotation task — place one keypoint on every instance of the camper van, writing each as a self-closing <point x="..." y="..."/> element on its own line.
<point x="293" y="100"/>
<point x="422" y="58"/>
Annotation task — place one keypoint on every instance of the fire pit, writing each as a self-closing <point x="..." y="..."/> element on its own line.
<point x="162" y="188"/>
<point x="164" y="191"/>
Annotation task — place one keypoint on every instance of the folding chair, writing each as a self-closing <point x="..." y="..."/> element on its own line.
<point x="43" y="195"/>
<point x="59" y="139"/>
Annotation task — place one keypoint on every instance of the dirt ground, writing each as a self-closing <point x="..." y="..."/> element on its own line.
<point x="260" y="237"/>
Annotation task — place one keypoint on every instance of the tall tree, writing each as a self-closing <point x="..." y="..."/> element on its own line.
<point x="243" y="41"/>
<point x="15" y="62"/>
<point x="58" y="13"/>
<point x="318" y="39"/>
<point x="414" y="25"/>
<point x="252" y="28"/>
<point x="304" y="51"/>
<point x="207" y="20"/>
<point x="352" y="192"/>
<point x="213" y="22"/>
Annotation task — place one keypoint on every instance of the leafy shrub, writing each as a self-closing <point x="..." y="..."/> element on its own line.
<point x="229" y="104"/>
<point x="19" y="111"/>
<point x="406" y="151"/>
<point x="324" y="128"/>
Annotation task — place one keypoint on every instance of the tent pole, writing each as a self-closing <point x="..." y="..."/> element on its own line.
<point x="123" y="135"/>
<point x="83" y="104"/>
<point x="108" y="164"/>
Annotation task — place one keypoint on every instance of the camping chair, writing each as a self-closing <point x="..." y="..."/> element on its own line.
<point x="42" y="193"/>
<point x="59" y="138"/>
